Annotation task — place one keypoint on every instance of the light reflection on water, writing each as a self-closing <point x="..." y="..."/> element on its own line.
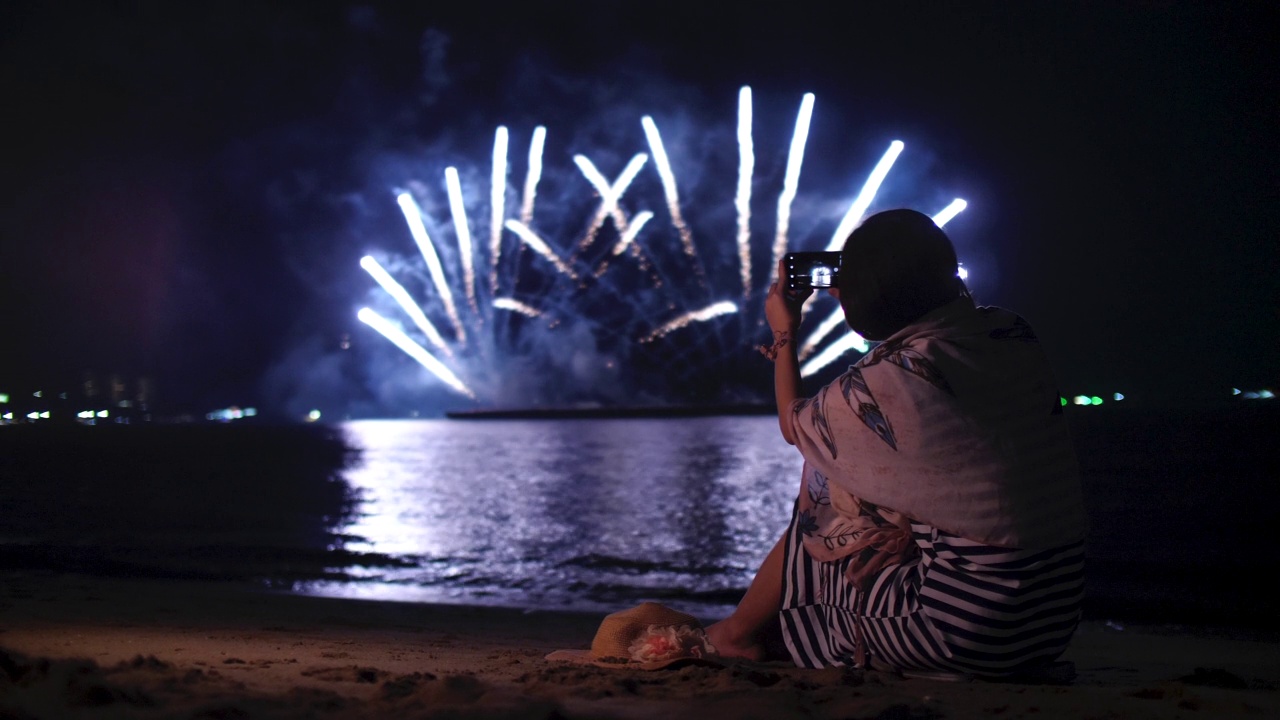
<point x="583" y="514"/>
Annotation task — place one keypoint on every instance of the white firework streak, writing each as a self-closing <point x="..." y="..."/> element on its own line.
<point x="627" y="238"/>
<point x="497" y="203"/>
<point x="413" y="216"/>
<point x="792" y="178"/>
<point x="539" y="246"/>
<point x="668" y="184"/>
<point x="836" y="319"/>
<point x="723" y="307"/>
<point x="628" y="231"/>
<point x="956" y="207"/>
<point x="411" y="308"/>
<point x="833" y="321"/>
<point x="516" y="306"/>
<point x="609" y="194"/>
<point x="865" y="196"/>
<point x="633" y="229"/>
<point x="852" y="341"/>
<point x="746" y="168"/>
<point x="413" y="349"/>
<point x="533" y="174"/>
<point x="464" y="234"/>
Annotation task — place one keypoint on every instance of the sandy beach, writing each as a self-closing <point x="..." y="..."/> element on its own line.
<point x="80" y="646"/>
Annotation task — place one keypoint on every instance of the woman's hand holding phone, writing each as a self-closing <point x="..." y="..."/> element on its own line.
<point x="782" y="304"/>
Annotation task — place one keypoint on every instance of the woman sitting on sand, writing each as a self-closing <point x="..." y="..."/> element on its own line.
<point x="939" y="524"/>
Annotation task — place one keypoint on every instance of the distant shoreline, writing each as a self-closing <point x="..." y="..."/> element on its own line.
<point x="1235" y="411"/>
<point x="571" y="413"/>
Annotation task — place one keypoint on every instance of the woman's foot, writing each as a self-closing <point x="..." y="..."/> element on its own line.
<point x="729" y="645"/>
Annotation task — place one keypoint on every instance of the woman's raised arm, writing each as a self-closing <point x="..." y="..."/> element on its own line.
<point x="782" y="310"/>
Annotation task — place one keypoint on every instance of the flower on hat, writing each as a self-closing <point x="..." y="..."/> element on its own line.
<point x="668" y="642"/>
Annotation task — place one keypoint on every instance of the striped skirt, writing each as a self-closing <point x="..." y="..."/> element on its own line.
<point x="956" y="607"/>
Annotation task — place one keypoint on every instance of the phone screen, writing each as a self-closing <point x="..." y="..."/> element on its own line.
<point x="812" y="269"/>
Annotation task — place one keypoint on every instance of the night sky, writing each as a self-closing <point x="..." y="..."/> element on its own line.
<point x="187" y="188"/>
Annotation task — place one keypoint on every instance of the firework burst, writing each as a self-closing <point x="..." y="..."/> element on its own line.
<point x="642" y="289"/>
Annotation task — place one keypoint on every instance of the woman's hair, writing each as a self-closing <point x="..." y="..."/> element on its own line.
<point x="896" y="267"/>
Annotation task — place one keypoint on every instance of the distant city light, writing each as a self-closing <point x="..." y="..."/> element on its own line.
<point x="1263" y="394"/>
<point x="8" y="416"/>
<point x="38" y="393"/>
<point x="231" y="413"/>
<point x="102" y="413"/>
<point x="4" y="399"/>
<point x="1089" y="400"/>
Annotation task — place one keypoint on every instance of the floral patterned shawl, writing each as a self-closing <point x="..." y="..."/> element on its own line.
<point x="954" y="422"/>
<point x="834" y="524"/>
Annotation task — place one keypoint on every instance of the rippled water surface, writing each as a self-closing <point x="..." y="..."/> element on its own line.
<point x="589" y="514"/>
<point x="578" y="513"/>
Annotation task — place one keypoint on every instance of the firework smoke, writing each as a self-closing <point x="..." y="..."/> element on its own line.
<point x="616" y="309"/>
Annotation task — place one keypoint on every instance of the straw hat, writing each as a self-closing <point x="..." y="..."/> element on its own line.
<point x="649" y="636"/>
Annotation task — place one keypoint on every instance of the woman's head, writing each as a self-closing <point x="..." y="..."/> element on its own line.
<point x="896" y="267"/>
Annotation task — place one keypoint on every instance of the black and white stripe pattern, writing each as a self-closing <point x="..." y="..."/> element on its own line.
<point x="959" y="606"/>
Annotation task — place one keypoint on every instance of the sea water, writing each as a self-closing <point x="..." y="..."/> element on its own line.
<point x="592" y="514"/>
<point x="577" y="513"/>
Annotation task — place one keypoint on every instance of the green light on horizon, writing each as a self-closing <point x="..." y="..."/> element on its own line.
<point x="1064" y="401"/>
<point x="1095" y="400"/>
<point x="4" y="398"/>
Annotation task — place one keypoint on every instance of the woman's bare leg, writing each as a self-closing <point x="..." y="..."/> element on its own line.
<point x="749" y="632"/>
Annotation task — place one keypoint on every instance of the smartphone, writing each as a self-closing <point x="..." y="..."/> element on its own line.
<point x="812" y="269"/>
